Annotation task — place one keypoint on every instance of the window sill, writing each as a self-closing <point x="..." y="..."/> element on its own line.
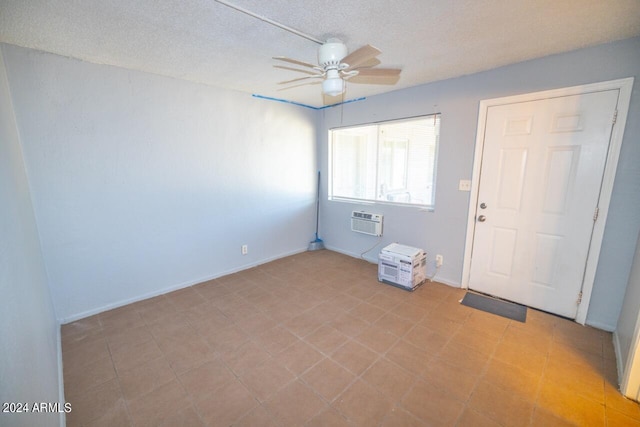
<point x="362" y="202"/>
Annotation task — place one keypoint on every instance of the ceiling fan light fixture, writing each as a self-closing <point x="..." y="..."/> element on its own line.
<point x="333" y="86"/>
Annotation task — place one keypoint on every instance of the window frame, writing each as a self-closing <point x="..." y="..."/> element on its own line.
<point x="367" y="201"/>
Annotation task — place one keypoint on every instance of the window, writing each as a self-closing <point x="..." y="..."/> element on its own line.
<point x="392" y="162"/>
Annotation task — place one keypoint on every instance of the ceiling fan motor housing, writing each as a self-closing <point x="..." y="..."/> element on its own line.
<point x="331" y="53"/>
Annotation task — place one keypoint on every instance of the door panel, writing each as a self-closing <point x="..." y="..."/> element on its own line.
<point x="512" y="167"/>
<point x="547" y="251"/>
<point x="502" y="251"/>
<point x="559" y="176"/>
<point x="542" y="168"/>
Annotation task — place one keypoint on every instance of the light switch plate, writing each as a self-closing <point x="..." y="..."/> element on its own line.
<point x="465" y="185"/>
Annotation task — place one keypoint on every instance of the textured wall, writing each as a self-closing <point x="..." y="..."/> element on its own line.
<point x="142" y="183"/>
<point x="626" y="327"/>
<point x="29" y="331"/>
<point x="443" y="231"/>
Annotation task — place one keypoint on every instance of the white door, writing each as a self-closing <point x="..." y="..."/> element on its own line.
<point x="542" y="168"/>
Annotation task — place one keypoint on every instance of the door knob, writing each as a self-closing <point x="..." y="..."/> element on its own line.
<point x="482" y="218"/>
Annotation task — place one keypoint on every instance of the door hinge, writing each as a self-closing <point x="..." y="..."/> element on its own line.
<point x="615" y="117"/>
<point x="579" y="298"/>
<point x="595" y="213"/>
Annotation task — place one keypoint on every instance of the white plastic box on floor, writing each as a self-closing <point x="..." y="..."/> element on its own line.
<point x="402" y="266"/>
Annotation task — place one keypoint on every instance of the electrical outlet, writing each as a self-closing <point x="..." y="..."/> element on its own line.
<point x="245" y="249"/>
<point x="439" y="260"/>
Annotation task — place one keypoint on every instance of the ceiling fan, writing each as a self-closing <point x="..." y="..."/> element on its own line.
<point x="336" y="65"/>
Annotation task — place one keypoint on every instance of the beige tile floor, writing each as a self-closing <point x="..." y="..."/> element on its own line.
<point x="315" y="340"/>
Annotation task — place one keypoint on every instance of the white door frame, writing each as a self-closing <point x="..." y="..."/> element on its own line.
<point x="625" y="86"/>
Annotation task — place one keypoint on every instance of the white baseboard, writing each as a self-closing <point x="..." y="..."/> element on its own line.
<point x="176" y="287"/>
<point x="372" y="260"/>
<point x="448" y="282"/>
<point x="618" y="352"/>
<point x="600" y="325"/>
<point x="351" y="254"/>
<point x="107" y="307"/>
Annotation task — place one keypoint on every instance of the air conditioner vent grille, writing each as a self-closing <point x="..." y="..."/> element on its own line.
<point x="363" y="215"/>
<point x="366" y="223"/>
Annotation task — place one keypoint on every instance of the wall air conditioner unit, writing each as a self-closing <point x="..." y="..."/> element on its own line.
<point x="367" y="223"/>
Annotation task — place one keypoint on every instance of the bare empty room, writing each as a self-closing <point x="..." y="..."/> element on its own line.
<point x="246" y="213"/>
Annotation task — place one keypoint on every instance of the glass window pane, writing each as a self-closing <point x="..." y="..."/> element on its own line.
<point x="393" y="162"/>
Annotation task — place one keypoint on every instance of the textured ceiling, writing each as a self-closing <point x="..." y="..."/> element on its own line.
<point x="207" y="42"/>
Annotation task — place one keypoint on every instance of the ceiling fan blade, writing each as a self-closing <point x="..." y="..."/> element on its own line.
<point x="375" y="76"/>
<point x="314" y="73"/>
<point x="378" y="72"/>
<point x="295" y="61"/>
<point x="370" y="63"/>
<point x="375" y="80"/>
<point x="360" y="56"/>
<point x="300" y="79"/>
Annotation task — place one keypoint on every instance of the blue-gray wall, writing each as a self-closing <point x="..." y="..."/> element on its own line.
<point x="131" y="171"/>
<point x="626" y="329"/>
<point x="142" y="184"/>
<point x="29" y="332"/>
<point x="116" y="185"/>
<point x="443" y="231"/>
